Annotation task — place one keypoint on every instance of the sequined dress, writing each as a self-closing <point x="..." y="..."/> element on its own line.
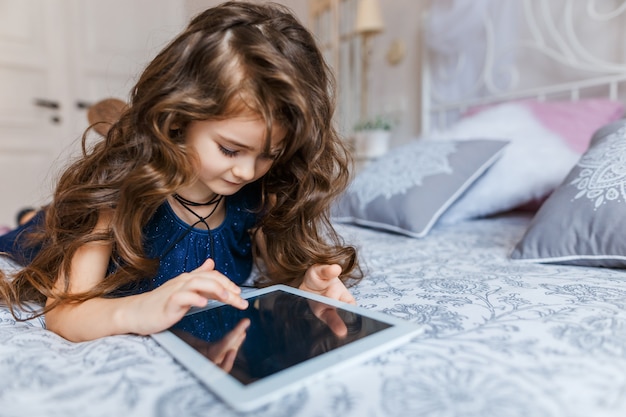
<point x="178" y="247"/>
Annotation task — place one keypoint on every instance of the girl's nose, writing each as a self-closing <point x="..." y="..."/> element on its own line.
<point x="244" y="169"/>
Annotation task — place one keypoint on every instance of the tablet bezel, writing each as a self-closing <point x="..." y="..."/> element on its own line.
<point x="247" y="397"/>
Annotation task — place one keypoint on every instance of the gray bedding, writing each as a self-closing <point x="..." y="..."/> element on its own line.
<point x="502" y="339"/>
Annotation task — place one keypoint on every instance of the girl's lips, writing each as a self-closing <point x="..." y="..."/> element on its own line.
<point x="235" y="184"/>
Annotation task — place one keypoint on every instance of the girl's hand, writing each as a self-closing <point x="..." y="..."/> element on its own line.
<point x="324" y="280"/>
<point x="162" y="307"/>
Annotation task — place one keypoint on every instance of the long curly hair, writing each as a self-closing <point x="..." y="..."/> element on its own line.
<point x="234" y="57"/>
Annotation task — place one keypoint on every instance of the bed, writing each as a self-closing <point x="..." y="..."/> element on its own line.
<point x="498" y="230"/>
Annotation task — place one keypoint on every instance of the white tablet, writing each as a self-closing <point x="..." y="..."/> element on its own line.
<point x="284" y="339"/>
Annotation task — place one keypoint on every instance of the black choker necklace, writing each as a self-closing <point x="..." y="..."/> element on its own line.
<point x="184" y="202"/>
<point x="187" y="204"/>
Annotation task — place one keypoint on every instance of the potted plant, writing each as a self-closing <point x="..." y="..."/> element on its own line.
<point x="371" y="137"/>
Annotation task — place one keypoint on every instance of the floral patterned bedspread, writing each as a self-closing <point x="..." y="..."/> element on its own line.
<point x="502" y="339"/>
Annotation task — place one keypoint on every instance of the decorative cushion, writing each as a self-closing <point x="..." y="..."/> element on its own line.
<point x="407" y="189"/>
<point x="583" y="222"/>
<point x="574" y="121"/>
<point x="531" y="167"/>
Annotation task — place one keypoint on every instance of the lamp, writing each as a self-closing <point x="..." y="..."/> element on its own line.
<point x="368" y="18"/>
<point x="369" y="22"/>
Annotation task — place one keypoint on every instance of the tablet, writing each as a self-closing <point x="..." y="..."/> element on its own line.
<point x="284" y="339"/>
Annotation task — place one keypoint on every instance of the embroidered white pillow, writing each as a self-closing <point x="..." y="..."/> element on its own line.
<point x="407" y="189"/>
<point x="583" y="222"/>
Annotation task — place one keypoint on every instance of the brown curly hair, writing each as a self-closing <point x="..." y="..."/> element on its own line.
<point x="232" y="56"/>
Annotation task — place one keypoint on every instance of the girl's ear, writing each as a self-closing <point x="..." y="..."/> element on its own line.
<point x="176" y="132"/>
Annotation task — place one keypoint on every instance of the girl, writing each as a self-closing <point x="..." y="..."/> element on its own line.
<point x="225" y="154"/>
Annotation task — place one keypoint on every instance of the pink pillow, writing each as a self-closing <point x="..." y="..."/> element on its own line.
<point x="574" y="121"/>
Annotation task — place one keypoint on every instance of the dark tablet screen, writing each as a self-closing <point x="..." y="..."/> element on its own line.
<point x="276" y="331"/>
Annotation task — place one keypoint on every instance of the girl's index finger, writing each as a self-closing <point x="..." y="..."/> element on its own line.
<point x="231" y="297"/>
<point x="217" y="276"/>
<point x="215" y="285"/>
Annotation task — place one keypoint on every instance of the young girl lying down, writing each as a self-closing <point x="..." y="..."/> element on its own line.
<point x="226" y="155"/>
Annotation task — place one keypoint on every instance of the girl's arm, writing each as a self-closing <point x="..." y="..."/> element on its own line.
<point x="145" y="313"/>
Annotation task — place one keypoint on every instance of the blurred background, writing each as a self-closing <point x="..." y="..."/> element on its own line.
<point x="394" y="61"/>
<point x="57" y="57"/>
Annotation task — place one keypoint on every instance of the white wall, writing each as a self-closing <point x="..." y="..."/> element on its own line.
<point x="396" y="89"/>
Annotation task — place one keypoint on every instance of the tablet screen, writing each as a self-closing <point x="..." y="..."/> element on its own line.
<point x="277" y="330"/>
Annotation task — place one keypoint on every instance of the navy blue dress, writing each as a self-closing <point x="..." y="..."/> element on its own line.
<point x="178" y="247"/>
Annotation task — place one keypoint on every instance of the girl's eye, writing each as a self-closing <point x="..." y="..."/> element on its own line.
<point x="228" y="152"/>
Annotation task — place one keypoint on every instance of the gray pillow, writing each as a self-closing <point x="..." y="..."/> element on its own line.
<point x="407" y="189"/>
<point x="583" y="222"/>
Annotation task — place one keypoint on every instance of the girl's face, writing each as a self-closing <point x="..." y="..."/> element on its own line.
<point x="231" y="154"/>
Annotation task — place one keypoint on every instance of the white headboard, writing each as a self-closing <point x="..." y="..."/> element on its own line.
<point x="493" y="51"/>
